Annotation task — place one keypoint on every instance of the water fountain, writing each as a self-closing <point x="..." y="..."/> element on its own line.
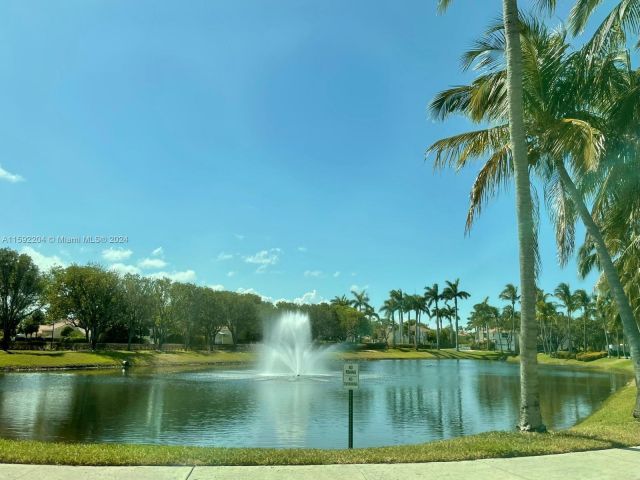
<point x="288" y="349"/>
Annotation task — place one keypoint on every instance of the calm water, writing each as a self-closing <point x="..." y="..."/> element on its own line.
<point x="400" y="401"/>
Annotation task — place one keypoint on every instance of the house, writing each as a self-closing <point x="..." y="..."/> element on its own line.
<point x="44" y="331"/>
<point x="500" y="339"/>
<point x="224" y="337"/>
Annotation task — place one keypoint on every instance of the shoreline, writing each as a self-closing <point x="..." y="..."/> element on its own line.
<point x="44" y="361"/>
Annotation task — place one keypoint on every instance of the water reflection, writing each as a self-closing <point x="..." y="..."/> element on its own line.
<point x="398" y="402"/>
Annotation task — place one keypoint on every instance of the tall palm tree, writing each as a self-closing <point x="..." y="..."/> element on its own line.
<point x="399" y="299"/>
<point x="583" y="301"/>
<point x="389" y="308"/>
<point x="452" y="292"/>
<point x="510" y="294"/>
<point x="569" y="301"/>
<point x="530" y="416"/>
<point x="432" y="295"/>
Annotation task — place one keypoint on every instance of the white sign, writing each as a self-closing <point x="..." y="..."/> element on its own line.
<point x="351" y="376"/>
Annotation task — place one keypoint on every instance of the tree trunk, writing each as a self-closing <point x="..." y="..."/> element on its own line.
<point x="455" y="304"/>
<point x="437" y="327"/>
<point x="530" y="416"/>
<point x="629" y="325"/>
<point x="129" y="334"/>
<point x="6" y="335"/>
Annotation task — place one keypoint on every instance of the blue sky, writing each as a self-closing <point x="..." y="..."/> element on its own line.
<point x="272" y="146"/>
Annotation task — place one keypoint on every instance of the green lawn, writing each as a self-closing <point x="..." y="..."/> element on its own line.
<point x="602" y="363"/>
<point x="34" y="359"/>
<point x="43" y="359"/>
<point x="611" y="426"/>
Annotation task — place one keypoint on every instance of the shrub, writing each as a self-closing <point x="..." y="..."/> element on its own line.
<point x="563" y="355"/>
<point x="590" y="356"/>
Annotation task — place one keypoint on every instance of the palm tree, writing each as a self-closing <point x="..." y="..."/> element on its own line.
<point x="389" y="308"/>
<point x="583" y="301"/>
<point x="530" y="416"/>
<point x="510" y="294"/>
<point x="623" y="18"/>
<point x="341" y="301"/>
<point x="360" y="301"/>
<point x="569" y="301"/>
<point x="399" y="298"/>
<point x="432" y="295"/>
<point x="452" y="292"/>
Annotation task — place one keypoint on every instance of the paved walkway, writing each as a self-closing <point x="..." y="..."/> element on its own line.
<point x="618" y="464"/>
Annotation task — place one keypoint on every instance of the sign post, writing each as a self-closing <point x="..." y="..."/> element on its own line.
<point x="351" y="381"/>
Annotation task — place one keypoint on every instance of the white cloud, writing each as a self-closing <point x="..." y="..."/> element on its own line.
<point x="238" y="236"/>
<point x="218" y="287"/>
<point x="158" y="252"/>
<point x="116" y="254"/>
<point x="253" y="292"/>
<point x="264" y="258"/>
<point x="224" y="256"/>
<point x="308" y="298"/>
<point x="186" y="276"/>
<point x="336" y="274"/>
<point x="358" y="288"/>
<point x="10" y="177"/>
<point x="353" y="274"/>
<point x="313" y="273"/>
<point x="302" y="249"/>
<point x="123" y="269"/>
<point x="43" y="262"/>
<point x="152" y="263"/>
<point x="231" y="273"/>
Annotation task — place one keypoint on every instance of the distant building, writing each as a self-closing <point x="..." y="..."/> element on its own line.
<point x="500" y="339"/>
<point x="224" y="337"/>
<point x="44" y="331"/>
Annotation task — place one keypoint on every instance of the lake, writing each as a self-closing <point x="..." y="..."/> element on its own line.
<point x="399" y="402"/>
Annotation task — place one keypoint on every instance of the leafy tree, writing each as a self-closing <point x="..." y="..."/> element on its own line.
<point x="89" y="296"/>
<point x="20" y="289"/>
<point x="137" y="305"/>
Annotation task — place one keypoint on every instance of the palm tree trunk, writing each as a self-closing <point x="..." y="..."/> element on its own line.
<point x="629" y="325"/>
<point x="455" y="303"/>
<point x="530" y="416"/>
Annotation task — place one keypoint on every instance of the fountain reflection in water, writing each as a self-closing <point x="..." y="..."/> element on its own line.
<point x="288" y="350"/>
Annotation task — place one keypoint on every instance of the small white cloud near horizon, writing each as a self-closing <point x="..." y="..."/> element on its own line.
<point x="116" y="254"/>
<point x="216" y="288"/>
<point x="158" y="252"/>
<point x="308" y="298"/>
<point x="42" y="261"/>
<point x="123" y="269"/>
<point x="336" y="274"/>
<point x="186" y="276"/>
<point x="10" y="177"/>
<point x="147" y="263"/>
<point x="231" y="273"/>
<point x="313" y="273"/>
<point x="264" y="259"/>
<point x="252" y="291"/>
<point x="358" y="288"/>
<point x="224" y="256"/>
<point x="302" y="249"/>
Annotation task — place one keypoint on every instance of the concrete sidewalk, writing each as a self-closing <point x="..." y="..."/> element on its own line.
<point x="599" y="465"/>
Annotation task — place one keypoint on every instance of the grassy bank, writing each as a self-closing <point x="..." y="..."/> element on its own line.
<point x="34" y="360"/>
<point x="600" y="364"/>
<point x="611" y="426"/>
